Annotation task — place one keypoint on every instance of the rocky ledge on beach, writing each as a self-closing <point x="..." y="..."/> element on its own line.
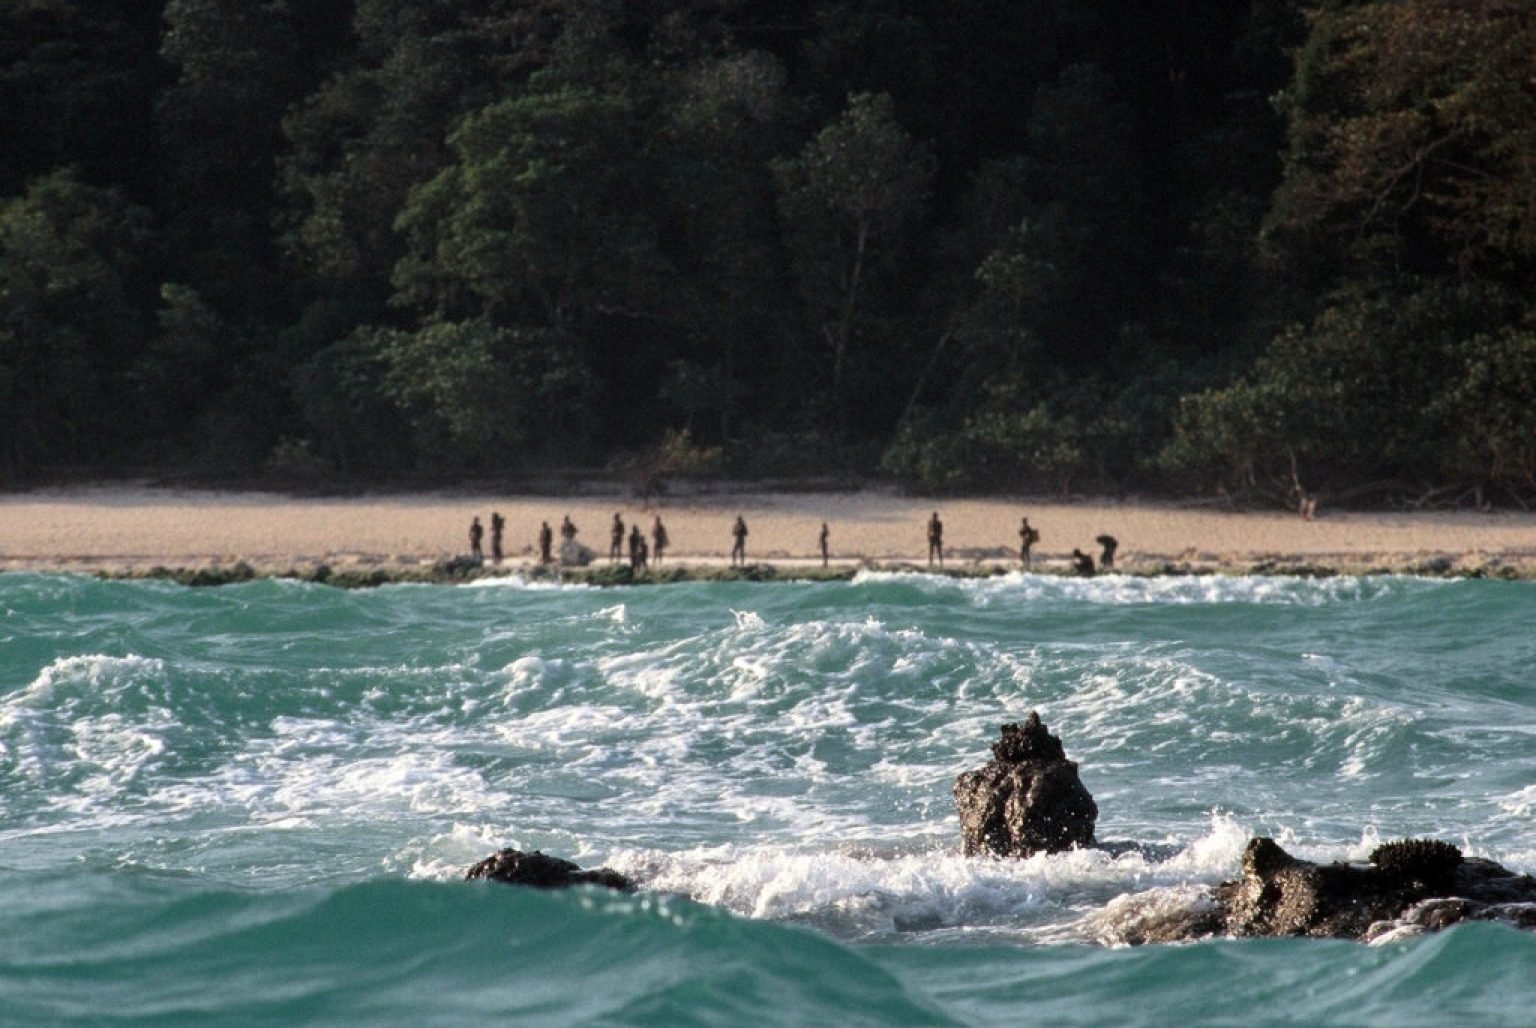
<point x="540" y="871"/>
<point x="1029" y="799"/>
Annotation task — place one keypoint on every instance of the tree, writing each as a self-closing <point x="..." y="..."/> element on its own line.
<point x="544" y="217"/>
<point x="846" y="200"/>
<point x="723" y="119"/>
<point x="218" y="125"/>
<point x="545" y="225"/>
<point x="79" y="78"/>
<point x="69" y="278"/>
<point x="1489" y="415"/>
<point x="451" y="381"/>
<point x="1356" y="400"/>
<point x="1412" y="125"/>
<point x="375" y="130"/>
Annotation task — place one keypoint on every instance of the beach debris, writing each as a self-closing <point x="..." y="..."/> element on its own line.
<point x="1413" y="884"/>
<point x="458" y="566"/>
<point x="538" y="870"/>
<point x="575" y="555"/>
<point x="1027" y="799"/>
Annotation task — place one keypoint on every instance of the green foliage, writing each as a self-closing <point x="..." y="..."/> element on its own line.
<point x="693" y="389"/>
<point x="179" y="368"/>
<point x="1358" y="395"/>
<point x="993" y="451"/>
<point x="295" y="460"/>
<point x="374" y="130"/>
<point x="69" y="257"/>
<point x="452" y="396"/>
<point x="718" y="131"/>
<point x="352" y="422"/>
<point x="1082" y="231"/>
<point x="1411" y="126"/>
<point x="1488" y="412"/>
<point x="237" y="68"/>
<point x="1050" y="246"/>
<point x="79" y="78"/>
<point x="539" y="219"/>
<point x="676" y="455"/>
<point x="845" y="200"/>
<point x="452" y="383"/>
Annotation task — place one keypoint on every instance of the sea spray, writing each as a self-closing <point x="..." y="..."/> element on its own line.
<point x="253" y="802"/>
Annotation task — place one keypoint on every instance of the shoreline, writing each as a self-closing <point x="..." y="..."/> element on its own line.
<point x="606" y="577"/>
<point x="205" y="537"/>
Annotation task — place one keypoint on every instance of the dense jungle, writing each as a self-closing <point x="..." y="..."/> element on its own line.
<point x="1252" y="249"/>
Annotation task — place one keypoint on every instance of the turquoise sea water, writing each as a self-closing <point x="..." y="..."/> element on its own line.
<point x="253" y="803"/>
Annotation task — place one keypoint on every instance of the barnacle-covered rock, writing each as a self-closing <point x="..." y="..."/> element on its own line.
<point x="1028" y="799"/>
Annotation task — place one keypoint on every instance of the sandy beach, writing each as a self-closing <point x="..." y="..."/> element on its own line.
<point x="120" y="529"/>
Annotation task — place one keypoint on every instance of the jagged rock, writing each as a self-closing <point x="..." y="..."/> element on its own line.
<point x="1028" y="799"/>
<point x="1428" y="864"/>
<point x="541" y="871"/>
<point x="1420" y="884"/>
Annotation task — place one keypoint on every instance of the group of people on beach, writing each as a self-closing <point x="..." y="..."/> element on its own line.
<point x="1082" y="562"/>
<point x="640" y="550"/>
<point x="477" y="537"/>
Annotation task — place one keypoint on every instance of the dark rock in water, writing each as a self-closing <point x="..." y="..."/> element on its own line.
<point x="1426" y="864"/>
<point x="1028" y="799"/>
<point x="540" y="871"/>
<point x="1422" y="883"/>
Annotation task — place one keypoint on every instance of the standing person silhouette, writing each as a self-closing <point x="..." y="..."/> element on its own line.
<point x="567" y="529"/>
<point x="823" y="542"/>
<point x="935" y="539"/>
<point x="1028" y="536"/>
<point x="739" y="548"/>
<point x="498" y="526"/>
<point x="636" y="548"/>
<point x="659" y="538"/>
<point x="546" y="543"/>
<point x="616" y="539"/>
<point x="476" y="533"/>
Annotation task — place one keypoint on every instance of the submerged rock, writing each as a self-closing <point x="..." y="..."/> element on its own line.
<point x="541" y="871"/>
<point x="1417" y="884"/>
<point x="1027" y="799"/>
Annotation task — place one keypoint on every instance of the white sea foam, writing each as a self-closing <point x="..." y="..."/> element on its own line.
<point x="749" y="620"/>
<point x="518" y="582"/>
<point x="61" y="727"/>
<point x="99" y="673"/>
<point x="1118" y="589"/>
<point x="859" y="892"/>
<point x="1519" y="804"/>
<point x="531" y="676"/>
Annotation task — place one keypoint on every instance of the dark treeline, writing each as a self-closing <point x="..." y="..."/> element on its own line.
<point x="1262" y="246"/>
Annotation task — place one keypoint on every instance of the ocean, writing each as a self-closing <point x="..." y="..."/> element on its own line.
<point x="254" y="804"/>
